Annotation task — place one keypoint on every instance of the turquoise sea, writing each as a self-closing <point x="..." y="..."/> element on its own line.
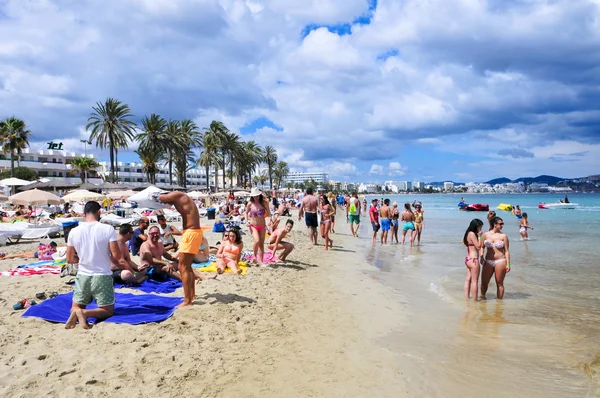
<point x="542" y="340"/>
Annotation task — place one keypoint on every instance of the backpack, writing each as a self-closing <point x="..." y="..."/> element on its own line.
<point x="352" y="208"/>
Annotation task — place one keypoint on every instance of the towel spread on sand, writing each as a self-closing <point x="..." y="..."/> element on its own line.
<point x="133" y="309"/>
<point x="267" y="258"/>
<point x="41" y="270"/>
<point x="213" y="268"/>
<point x="153" y="286"/>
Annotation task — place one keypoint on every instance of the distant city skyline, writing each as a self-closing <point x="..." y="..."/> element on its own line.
<point x="361" y="89"/>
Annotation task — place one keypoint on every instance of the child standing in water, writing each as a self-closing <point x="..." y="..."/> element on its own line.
<point x="524" y="226"/>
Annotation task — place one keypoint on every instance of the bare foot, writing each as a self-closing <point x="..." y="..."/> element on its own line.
<point x="81" y="318"/>
<point x="72" y="321"/>
<point x="185" y="304"/>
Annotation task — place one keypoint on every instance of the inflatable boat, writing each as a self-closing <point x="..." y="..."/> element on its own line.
<point x="476" y="207"/>
<point x="558" y="205"/>
<point x="504" y="207"/>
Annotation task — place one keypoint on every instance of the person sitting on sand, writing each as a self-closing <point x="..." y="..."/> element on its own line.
<point x="153" y="255"/>
<point x="129" y="273"/>
<point x="274" y="223"/>
<point x="91" y="245"/>
<point x="167" y="232"/>
<point x="205" y="250"/>
<point x="276" y="241"/>
<point x="44" y="252"/>
<point x="139" y="236"/>
<point x="230" y="252"/>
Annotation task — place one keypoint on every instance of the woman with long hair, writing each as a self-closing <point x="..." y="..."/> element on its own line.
<point x="409" y="223"/>
<point x="472" y="240"/>
<point x="333" y="204"/>
<point x="496" y="260"/>
<point x="230" y="252"/>
<point x="419" y="221"/>
<point x="524" y="226"/>
<point x="395" y="217"/>
<point x="326" y="212"/>
<point x="257" y="211"/>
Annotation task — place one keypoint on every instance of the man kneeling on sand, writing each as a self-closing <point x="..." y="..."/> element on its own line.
<point x="91" y="245"/>
<point x="276" y="241"/>
<point x="131" y="273"/>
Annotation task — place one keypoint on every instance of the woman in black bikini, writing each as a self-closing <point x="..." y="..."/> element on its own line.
<point x="472" y="240"/>
<point x="497" y="258"/>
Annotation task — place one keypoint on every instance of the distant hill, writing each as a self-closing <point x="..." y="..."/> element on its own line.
<point x="543" y="179"/>
<point x="502" y="180"/>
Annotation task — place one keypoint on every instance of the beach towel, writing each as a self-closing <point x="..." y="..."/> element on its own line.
<point x="153" y="286"/>
<point x="267" y="258"/>
<point x="202" y="265"/>
<point x="41" y="270"/>
<point x="213" y="268"/>
<point x="132" y="309"/>
<point x="42" y="263"/>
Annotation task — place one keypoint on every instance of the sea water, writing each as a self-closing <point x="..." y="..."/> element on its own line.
<point x="542" y="340"/>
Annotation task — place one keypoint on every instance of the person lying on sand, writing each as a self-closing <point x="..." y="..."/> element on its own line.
<point x="276" y="241"/>
<point x="44" y="252"/>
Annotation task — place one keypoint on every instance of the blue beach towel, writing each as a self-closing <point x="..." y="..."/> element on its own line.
<point x="132" y="309"/>
<point x="43" y="263"/>
<point x="153" y="286"/>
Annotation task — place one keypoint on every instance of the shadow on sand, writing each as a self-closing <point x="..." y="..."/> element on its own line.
<point x="225" y="298"/>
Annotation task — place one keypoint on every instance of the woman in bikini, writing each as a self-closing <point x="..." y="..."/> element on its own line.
<point x="395" y="218"/>
<point x="257" y="211"/>
<point x="230" y="252"/>
<point x="472" y="240"/>
<point x="326" y="212"/>
<point x="204" y="252"/>
<point x="418" y="221"/>
<point x="408" y="217"/>
<point x="496" y="260"/>
<point x="524" y="226"/>
<point x="333" y="204"/>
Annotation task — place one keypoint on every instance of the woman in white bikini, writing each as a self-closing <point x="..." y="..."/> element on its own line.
<point x="496" y="260"/>
<point x="257" y="211"/>
<point x="524" y="226"/>
<point x="326" y="212"/>
<point x="472" y="240"/>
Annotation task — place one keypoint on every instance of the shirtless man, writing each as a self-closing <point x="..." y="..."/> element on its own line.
<point x="276" y="241"/>
<point x="384" y="220"/>
<point x="128" y="273"/>
<point x="160" y="264"/>
<point x="308" y="207"/>
<point x="191" y="240"/>
<point x="353" y="213"/>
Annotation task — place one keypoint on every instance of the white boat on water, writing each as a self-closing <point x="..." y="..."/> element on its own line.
<point x="558" y="205"/>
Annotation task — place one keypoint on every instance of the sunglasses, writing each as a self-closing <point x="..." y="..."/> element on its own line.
<point x="154" y="233"/>
<point x="500" y="223"/>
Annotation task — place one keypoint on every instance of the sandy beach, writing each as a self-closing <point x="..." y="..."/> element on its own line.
<point x="309" y="328"/>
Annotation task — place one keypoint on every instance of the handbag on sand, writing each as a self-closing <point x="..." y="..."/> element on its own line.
<point x="69" y="270"/>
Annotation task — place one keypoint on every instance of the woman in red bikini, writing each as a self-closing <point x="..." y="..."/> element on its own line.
<point x="472" y="240"/>
<point x="230" y="252"/>
<point x="326" y="212"/>
<point x="257" y="211"/>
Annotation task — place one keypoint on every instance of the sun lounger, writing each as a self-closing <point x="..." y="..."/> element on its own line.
<point x="23" y="230"/>
<point x="115" y="221"/>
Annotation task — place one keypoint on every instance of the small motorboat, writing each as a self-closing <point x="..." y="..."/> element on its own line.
<point x="558" y="205"/>
<point x="462" y="205"/>
<point x="476" y="207"/>
<point x="504" y="207"/>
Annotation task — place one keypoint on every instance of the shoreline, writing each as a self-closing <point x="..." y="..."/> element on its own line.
<point x="307" y="328"/>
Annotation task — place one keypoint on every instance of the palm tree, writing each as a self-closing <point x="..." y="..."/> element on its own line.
<point x="248" y="159"/>
<point x="256" y="180"/>
<point x="150" y="158"/>
<point x="208" y="152"/>
<point x="281" y="170"/>
<point x="83" y="165"/>
<point x="14" y="137"/>
<point x="111" y="127"/>
<point x="219" y="131"/>
<point x="233" y="147"/>
<point x="189" y="138"/>
<point x="174" y="143"/>
<point x="270" y="158"/>
<point x="262" y="178"/>
<point x="153" y="132"/>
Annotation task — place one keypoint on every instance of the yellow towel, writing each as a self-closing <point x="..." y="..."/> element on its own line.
<point x="213" y="268"/>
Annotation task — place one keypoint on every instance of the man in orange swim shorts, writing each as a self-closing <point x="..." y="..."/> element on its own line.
<point x="191" y="240"/>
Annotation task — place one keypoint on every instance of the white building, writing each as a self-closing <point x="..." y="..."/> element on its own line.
<point x="390" y="186"/>
<point x="539" y="187"/>
<point x="349" y="186"/>
<point x="448" y="186"/>
<point x="132" y="173"/>
<point x="367" y="188"/>
<point x="51" y="164"/>
<point x="297" y="177"/>
<point x="418" y="185"/>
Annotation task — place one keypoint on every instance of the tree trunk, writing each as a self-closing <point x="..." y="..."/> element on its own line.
<point x="170" y="168"/>
<point x="12" y="162"/>
<point x="270" y="178"/>
<point x="223" y="164"/>
<point x="112" y="161"/>
<point x="116" y="165"/>
<point x="207" y="180"/>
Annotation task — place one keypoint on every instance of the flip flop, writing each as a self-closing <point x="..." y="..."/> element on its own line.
<point x="70" y="282"/>
<point x="53" y="294"/>
<point x="40" y="296"/>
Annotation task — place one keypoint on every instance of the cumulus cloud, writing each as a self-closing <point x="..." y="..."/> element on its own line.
<point x="469" y="81"/>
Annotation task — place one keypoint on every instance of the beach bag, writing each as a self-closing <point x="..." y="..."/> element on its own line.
<point x="69" y="270"/>
<point x="219" y="227"/>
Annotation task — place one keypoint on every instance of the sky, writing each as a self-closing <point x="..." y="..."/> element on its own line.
<point x="366" y="90"/>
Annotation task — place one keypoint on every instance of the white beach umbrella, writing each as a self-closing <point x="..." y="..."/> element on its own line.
<point x="82" y="194"/>
<point x="197" y="195"/>
<point x="14" y="182"/>
<point x="241" y="194"/>
<point x="34" y="197"/>
<point x="145" y="198"/>
<point x="221" y="194"/>
<point x="121" y="194"/>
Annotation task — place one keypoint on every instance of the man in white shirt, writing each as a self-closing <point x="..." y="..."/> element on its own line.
<point x="92" y="245"/>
